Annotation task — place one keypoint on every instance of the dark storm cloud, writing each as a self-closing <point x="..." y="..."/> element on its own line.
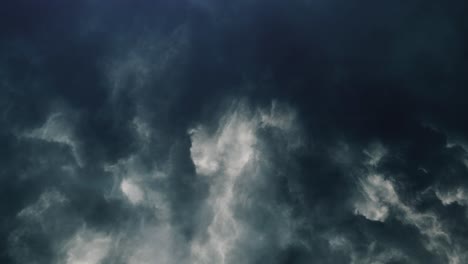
<point x="233" y="132"/>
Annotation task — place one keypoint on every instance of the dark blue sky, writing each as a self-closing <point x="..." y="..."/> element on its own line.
<point x="226" y="132"/>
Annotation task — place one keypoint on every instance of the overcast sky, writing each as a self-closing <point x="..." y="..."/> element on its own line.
<point x="233" y="132"/>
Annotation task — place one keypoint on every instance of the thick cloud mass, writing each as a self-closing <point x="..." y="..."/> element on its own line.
<point x="227" y="132"/>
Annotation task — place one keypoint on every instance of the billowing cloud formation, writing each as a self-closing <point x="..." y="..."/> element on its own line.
<point x="381" y="201"/>
<point x="87" y="248"/>
<point x="215" y="132"/>
<point x="132" y="191"/>
<point x="233" y="160"/>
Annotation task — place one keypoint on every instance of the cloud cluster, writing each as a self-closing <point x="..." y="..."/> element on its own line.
<point x="215" y="132"/>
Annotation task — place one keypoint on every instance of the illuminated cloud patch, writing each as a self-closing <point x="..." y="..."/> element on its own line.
<point x="134" y="194"/>
<point x="231" y="157"/>
<point x="87" y="247"/>
<point x="380" y="201"/>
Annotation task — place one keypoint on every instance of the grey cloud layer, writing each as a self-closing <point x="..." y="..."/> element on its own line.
<point x="215" y="132"/>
